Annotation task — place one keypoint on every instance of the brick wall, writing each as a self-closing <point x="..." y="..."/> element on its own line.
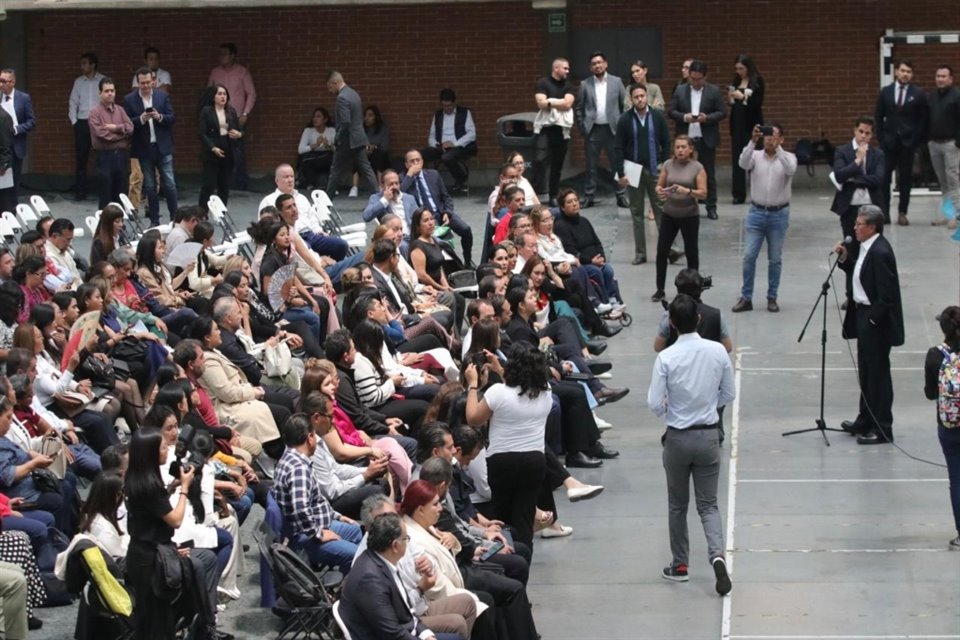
<point x="820" y="60"/>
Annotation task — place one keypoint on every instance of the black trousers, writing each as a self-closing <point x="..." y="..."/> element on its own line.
<point x="460" y="227"/>
<point x="452" y="158"/>
<point x="113" y="170"/>
<point x="98" y="432"/>
<point x="216" y="176"/>
<point x="81" y="147"/>
<point x="847" y="219"/>
<point x="410" y="411"/>
<point x="284" y="396"/>
<point x="516" y="479"/>
<point x="551" y="152"/>
<point x="689" y="228"/>
<point x="578" y="426"/>
<point x="708" y="158"/>
<point x="514" y="619"/>
<point x="899" y="158"/>
<point x="876" y="386"/>
<point x="349" y="503"/>
<point x="423" y="342"/>
<point x="739" y="138"/>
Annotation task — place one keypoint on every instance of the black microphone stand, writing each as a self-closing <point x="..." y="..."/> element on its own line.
<point x="822" y="297"/>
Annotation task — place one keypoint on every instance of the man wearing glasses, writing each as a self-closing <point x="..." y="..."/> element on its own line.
<point x="19" y="107"/>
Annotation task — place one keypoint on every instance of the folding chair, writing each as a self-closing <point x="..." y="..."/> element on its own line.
<point x="40" y="206"/>
<point x="15" y="228"/>
<point x="130" y="215"/>
<point x="7" y="235"/>
<point x="239" y="239"/>
<point x="27" y="215"/>
<point x="324" y="204"/>
<point x="340" y="622"/>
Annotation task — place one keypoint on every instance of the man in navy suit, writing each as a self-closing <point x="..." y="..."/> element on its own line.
<point x="901" y="117"/>
<point x="152" y="141"/>
<point x="19" y="107"/>
<point x="697" y="108"/>
<point x="372" y="604"/>
<point x="858" y="169"/>
<point x="875" y="318"/>
<point x="427" y="188"/>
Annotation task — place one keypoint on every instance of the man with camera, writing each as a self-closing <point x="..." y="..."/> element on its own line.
<point x="771" y="176"/>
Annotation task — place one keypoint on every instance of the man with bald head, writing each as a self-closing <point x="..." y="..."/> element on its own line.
<point x="554" y="96"/>
<point x="308" y="225"/>
<point x="351" y="143"/>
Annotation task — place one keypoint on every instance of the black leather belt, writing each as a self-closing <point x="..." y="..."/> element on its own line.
<point x="769" y="209"/>
<point x="694" y="427"/>
<point x="860" y="305"/>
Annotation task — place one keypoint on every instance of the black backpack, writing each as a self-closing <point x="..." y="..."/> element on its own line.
<point x="295" y="581"/>
<point x="804" y="151"/>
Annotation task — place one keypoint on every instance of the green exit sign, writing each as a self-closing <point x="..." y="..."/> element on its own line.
<point x="556" y="22"/>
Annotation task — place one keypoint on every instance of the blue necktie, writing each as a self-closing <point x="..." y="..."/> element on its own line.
<point x="652" y="144"/>
<point x="425" y="197"/>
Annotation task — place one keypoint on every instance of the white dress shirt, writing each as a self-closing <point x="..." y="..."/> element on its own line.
<point x="307" y="220"/>
<point x="695" y="96"/>
<point x="448" y="132"/>
<point x="600" y="87"/>
<point x="690" y="380"/>
<point x="147" y="103"/>
<point x="84" y="96"/>
<point x="862" y="194"/>
<point x="859" y="295"/>
<point x="335" y="479"/>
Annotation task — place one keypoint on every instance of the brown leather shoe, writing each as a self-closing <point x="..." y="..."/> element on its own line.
<point x="772" y="305"/>
<point x="742" y="305"/>
<point x="902" y="220"/>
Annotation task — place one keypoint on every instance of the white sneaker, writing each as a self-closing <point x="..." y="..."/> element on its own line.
<point x="354" y="192"/>
<point x="619" y="307"/>
<point x="604" y="308"/>
<point x="606" y="375"/>
<point x="602" y="425"/>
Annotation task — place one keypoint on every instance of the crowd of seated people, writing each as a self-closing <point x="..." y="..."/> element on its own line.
<point x="342" y="388"/>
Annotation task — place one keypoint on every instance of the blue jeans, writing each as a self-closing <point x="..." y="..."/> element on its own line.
<point x="330" y="246"/>
<point x="242" y="505"/>
<point x="950" y="443"/>
<point x="36" y="525"/>
<point x="335" y="270"/>
<point x="336" y="553"/>
<point x="604" y="276"/>
<point x="149" y="164"/>
<point x="306" y="315"/>
<point x="223" y="550"/>
<point x="759" y="226"/>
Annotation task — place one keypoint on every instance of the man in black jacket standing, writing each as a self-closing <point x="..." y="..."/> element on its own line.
<point x="875" y="318"/>
<point x="901" y="116"/>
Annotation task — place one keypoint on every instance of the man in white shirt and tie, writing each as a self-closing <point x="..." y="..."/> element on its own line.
<point x="690" y="380"/>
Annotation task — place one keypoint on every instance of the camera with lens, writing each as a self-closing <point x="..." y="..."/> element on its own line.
<point x="705" y="282"/>
<point x="186" y="455"/>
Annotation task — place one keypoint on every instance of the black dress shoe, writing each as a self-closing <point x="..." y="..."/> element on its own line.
<point x="602" y="452"/>
<point x="597" y="367"/>
<point x="623" y="202"/>
<point x="739" y="199"/>
<point x="582" y="461"/>
<point x="712" y="213"/>
<point x="596" y="347"/>
<point x="658" y="296"/>
<point x="587" y="203"/>
<point x="34" y="623"/>
<point x="639" y="259"/>
<point x="875" y="437"/>
<point x="853" y="428"/>
<point x="610" y="394"/>
<point x="675" y="255"/>
<point x="608" y="331"/>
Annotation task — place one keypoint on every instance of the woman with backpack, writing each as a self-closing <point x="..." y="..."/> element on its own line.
<point x="942" y="383"/>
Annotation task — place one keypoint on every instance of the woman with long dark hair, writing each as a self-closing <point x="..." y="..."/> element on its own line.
<point x="316" y="150"/>
<point x="152" y="517"/>
<point x="218" y="127"/>
<point x="99" y="515"/>
<point x="29" y="274"/>
<point x="942" y="383"/>
<point x="379" y="374"/>
<point x="154" y="275"/>
<point x="106" y="237"/>
<point x="746" y="111"/>
<point x="378" y="142"/>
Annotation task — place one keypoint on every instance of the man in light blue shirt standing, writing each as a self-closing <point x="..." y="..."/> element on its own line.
<point x="690" y="380"/>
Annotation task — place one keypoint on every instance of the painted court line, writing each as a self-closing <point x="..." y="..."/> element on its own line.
<point x="846" y="480"/>
<point x="732" y="494"/>
<point x="818" y="369"/>
<point x="901" y="550"/>
<point x="906" y="636"/>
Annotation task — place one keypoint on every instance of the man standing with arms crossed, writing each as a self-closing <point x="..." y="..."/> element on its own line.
<point x="771" y="176"/>
<point x="555" y="98"/>
<point x="351" y="149"/>
<point x="690" y="380"/>
<point x="109" y="129"/>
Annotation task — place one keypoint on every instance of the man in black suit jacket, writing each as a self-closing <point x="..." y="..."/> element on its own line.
<point x="901" y="116"/>
<point x="858" y="169"/>
<point x="697" y="108"/>
<point x="428" y="189"/>
<point x="875" y="318"/>
<point x="372" y="605"/>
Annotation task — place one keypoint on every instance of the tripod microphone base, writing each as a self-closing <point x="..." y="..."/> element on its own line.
<point x="821" y="427"/>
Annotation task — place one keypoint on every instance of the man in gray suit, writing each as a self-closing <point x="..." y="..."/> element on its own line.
<point x="597" y="109"/>
<point x="697" y="108"/>
<point x="351" y="141"/>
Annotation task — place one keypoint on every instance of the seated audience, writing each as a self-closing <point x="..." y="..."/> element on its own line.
<point x="315" y="151"/>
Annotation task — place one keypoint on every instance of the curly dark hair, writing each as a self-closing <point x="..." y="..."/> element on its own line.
<point x="526" y="369"/>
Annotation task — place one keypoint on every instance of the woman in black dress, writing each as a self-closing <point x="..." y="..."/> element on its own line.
<point x="219" y="126"/>
<point x="426" y="256"/>
<point x="746" y="110"/>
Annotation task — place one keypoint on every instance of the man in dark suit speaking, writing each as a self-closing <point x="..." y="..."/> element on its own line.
<point x="350" y="153"/>
<point x="875" y="318"/>
<point x="152" y="142"/>
<point x="697" y="108"/>
<point x="372" y="605"/>
<point x="901" y="116"/>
